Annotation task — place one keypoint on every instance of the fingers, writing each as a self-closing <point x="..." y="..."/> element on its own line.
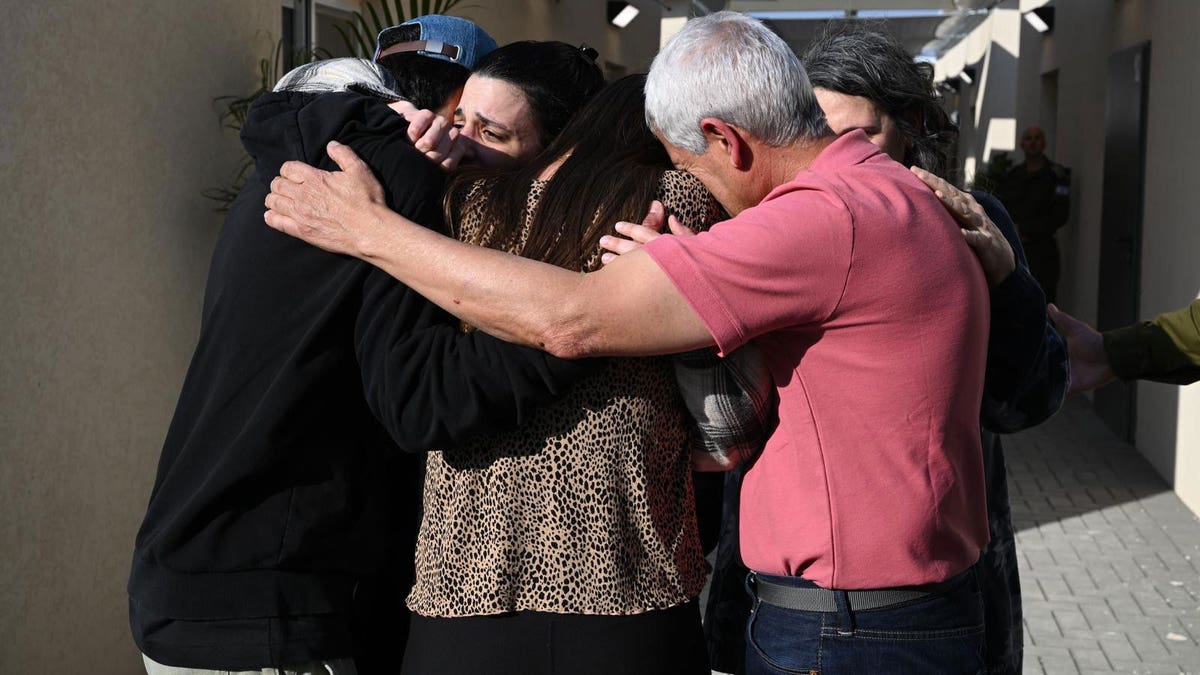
<point x="299" y="172"/>
<point x="419" y="123"/>
<point x="403" y="108"/>
<point x="345" y="158"/>
<point x="935" y="183"/>
<point x="282" y="186"/>
<point x="679" y="229"/>
<point x="618" y="245"/>
<point x="281" y="222"/>
<point x="1068" y="325"/>
<point x="1063" y="321"/>
<point x="457" y="151"/>
<point x="655" y="217"/>
<point x="960" y="204"/>
<point x="435" y="137"/>
<point x="978" y="241"/>
<point x="277" y="202"/>
<point x="976" y="211"/>
<point x="638" y="233"/>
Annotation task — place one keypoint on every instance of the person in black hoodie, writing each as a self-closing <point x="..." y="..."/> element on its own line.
<point x="282" y="488"/>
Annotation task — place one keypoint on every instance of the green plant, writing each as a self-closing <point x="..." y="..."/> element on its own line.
<point x="360" y="33"/>
<point x="233" y="111"/>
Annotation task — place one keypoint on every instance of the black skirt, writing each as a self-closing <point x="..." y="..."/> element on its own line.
<point x="662" y="642"/>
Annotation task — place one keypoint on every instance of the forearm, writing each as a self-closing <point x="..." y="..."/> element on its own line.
<point x="1183" y="327"/>
<point x="1145" y="351"/>
<point x="629" y="308"/>
<point x="626" y="309"/>
<point x="432" y="385"/>
<point x="515" y="299"/>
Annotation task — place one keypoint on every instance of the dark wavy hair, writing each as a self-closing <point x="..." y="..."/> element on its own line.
<point x="611" y="166"/>
<point x="860" y="59"/>
<point x="555" y="77"/>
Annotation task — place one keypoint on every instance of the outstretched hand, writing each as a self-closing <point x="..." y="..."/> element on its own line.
<point x="985" y="239"/>
<point x="326" y="209"/>
<point x="1085" y="348"/>
<point x="636" y="234"/>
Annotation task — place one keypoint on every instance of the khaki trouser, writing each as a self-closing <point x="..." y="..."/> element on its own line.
<point x="335" y="667"/>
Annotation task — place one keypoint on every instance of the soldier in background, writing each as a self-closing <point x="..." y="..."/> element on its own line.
<point x="1037" y="194"/>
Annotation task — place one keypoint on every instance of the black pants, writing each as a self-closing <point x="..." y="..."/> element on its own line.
<point x="663" y="642"/>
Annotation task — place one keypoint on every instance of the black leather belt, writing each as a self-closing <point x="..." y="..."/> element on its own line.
<point x="825" y="600"/>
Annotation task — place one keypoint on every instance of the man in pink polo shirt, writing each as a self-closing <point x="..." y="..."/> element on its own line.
<point x="865" y="512"/>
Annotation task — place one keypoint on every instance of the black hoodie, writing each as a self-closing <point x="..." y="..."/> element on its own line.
<point x="277" y="483"/>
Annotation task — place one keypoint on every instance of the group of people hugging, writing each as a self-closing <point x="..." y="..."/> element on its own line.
<point x="478" y="316"/>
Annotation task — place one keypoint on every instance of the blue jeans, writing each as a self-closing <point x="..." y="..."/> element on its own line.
<point x="939" y="633"/>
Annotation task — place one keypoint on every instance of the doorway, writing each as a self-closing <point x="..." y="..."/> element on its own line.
<point x="1121" y="217"/>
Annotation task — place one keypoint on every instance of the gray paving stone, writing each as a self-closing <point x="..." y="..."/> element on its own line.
<point x="1071" y="621"/>
<point x="1090" y="660"/>
<point x="1118" y="650"/>
<point x="1109" y="556"/>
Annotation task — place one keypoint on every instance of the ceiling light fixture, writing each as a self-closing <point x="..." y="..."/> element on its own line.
<point x="1042" y="19"/>
<point x="621" y="13"/>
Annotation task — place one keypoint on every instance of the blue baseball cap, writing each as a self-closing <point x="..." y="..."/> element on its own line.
<point x="442" y="37"/>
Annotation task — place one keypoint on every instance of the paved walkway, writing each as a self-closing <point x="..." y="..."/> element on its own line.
<point x="1110" y="557"/>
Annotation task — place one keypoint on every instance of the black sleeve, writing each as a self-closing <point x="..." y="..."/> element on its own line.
<point x="430" y="384"/>
<point x="1028" y="372"/>
<point x="1144" y="351"/>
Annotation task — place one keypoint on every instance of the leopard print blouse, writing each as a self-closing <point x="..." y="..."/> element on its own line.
<point x="588" y="508"/>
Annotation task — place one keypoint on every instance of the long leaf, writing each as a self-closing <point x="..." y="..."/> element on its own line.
<point x="365" y="46"/>
<point x="414" y="10"/>
<point x="387" y="13"/>
<point x="351" y="46"/>
<point x="375" y="17"/>
<point x="369" y="36"/>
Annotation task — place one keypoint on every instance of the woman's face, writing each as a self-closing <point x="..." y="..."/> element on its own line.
<point x="496" y="117"/>
<point x="846" y="113"/>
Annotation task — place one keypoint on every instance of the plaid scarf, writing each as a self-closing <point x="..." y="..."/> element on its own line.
<point x="732" y="402"/>
<point x="356" y="75"/>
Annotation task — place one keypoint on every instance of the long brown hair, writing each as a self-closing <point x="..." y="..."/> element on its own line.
<point x="611" y="172"/>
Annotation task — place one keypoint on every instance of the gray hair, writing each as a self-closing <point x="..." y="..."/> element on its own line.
<point x="729" y="66"/>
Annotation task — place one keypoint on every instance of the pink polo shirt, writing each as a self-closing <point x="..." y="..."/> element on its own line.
<point x="872" y="314"/>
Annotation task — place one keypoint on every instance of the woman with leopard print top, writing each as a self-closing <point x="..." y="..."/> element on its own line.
<point x="569" y="545"/>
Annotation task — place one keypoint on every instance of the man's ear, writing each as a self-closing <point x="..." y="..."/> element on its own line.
<point x="446" y="110"/>
<point x="729" y="140"/>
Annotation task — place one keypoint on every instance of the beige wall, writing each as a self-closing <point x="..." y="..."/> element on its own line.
<point x="108" y="137"/>
<point x="1168" y="427"/>
<point x="1086" y="34"/>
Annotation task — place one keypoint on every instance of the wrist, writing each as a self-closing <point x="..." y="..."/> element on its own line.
<point x="367" y="226"/>
<point x="996" y="277"/>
